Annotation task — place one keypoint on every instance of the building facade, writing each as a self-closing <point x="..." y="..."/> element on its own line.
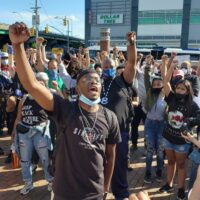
<point x="171" y="23"/>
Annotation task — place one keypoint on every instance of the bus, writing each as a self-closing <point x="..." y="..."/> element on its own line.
<point x="94" y="49"/>
<point x="193" y="53"/>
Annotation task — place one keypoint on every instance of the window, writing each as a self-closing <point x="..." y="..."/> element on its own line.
<point x="160" y="17"/>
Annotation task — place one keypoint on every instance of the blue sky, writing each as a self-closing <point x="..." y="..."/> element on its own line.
<point x="20" y="10"/>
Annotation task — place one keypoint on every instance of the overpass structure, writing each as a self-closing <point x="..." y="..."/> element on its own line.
<point x="53" y="39"/>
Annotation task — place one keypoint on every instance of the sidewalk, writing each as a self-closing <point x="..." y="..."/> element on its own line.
<point x="11" y="180"/>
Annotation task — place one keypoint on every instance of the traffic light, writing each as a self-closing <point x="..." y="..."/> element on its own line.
<point x="46" y="29"/>
<point x="65" y="21"/>
<point x="32" y="31"/>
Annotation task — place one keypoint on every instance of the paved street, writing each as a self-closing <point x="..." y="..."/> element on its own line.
<point x="11" y="181"/>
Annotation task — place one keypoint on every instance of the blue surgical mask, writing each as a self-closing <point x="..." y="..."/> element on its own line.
<point x="53" y="74"/>
<point x="4" y="62"/>
<point x="109" y="73"/>
<point x="89" y="102"/>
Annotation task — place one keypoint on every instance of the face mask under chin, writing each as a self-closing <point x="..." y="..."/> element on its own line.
<point x="89" y="102"/>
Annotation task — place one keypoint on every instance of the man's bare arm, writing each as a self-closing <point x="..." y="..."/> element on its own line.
<point x="109" y="167"/>
<point x="18" y="34"/>
<point x="130" y="69"/>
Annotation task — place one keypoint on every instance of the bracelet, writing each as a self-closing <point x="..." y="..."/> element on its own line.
<point x="131" y="42"/>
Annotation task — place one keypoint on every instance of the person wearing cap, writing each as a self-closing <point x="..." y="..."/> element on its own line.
<point x="88" y="133"/>
<point x="154" y="124"/>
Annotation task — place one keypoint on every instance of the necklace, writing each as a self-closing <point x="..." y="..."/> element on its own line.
<point x="89" y="134"/>
<point x="104" y="99"/>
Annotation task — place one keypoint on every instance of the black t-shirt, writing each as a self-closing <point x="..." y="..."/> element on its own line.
<point x="177" y="112"/>
<point x="119" y="100"/>
<point x="32" y="113"/>
<point x="80" y="156"/>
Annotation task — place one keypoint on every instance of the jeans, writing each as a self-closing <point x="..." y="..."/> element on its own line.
<point x="119" y="182"/>
<point x="153" y="134"/>
<point x="33" y="138"/>
<point x="193" y="175"/>
<point x="178" y="148"/>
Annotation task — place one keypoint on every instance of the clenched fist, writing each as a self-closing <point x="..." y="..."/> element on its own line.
<point x="19" y="33"/>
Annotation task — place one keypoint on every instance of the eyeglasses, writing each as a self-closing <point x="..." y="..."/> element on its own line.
<point x="89" y="80"/>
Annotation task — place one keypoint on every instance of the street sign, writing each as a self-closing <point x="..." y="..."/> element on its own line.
<point x="35" y="20"/>
<point x="110" y="19"/>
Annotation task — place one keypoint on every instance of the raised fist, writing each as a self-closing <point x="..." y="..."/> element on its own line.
<point x="19" y="33"/>
<point x="40" y="40"/>
<point x="164" y="58"/>
<point x="131" y="36"/>
<point x="173" y="54"/>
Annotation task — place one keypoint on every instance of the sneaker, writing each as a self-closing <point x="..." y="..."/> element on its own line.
<point x="166" y="188"/>
<point x="181" y="194"/>
<point x="27" y="188"/>
<point x="49" y="188"/>
<point x="147" y="178"/>
<point x="159" y="176"/>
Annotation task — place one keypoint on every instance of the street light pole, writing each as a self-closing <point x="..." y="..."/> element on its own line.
<point x="36" y="18"/>
<point x="37" y="24"/>
<point x="68" y="34"/>
<point x="66" y="23"/>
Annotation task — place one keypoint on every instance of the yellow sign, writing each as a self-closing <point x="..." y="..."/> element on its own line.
<point x="57" y="50"/>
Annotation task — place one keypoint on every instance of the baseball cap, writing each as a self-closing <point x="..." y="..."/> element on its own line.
<point x="82" y="73"/>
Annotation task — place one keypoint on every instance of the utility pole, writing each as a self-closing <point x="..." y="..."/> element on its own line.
<point x="36" y="18"/>
<point x="66" y="23"/>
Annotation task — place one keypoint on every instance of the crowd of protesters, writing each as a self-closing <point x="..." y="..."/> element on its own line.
<point x="77" y="114"/>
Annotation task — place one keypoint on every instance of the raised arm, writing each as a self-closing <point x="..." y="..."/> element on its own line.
<point x="18" y="34"/>
<point x="167" y="78"/>
<point x="87" y="58"/>
<point x="147" y="71"/>
<point x="11" y="61"/>
<point x="40" y="61"/>
<point x="130" y="69"/>
<point x="43" y="49"/>
<point x="198" y="69"/>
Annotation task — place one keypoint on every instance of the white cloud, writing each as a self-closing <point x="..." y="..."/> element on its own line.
<point x="75" y="26"/>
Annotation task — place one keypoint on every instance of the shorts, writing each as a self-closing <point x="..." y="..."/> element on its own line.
<point x="179" y="148"/>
